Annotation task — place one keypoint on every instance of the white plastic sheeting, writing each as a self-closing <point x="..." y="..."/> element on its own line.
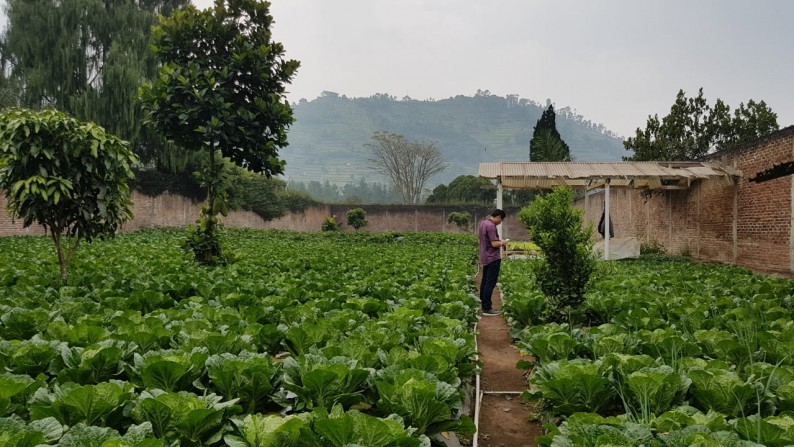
<point x="620" y="248"/>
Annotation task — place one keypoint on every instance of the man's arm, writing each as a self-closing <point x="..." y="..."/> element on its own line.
<point x="494" y="237"/>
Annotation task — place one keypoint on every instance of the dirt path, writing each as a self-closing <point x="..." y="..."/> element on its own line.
<point x="504" y="418"/>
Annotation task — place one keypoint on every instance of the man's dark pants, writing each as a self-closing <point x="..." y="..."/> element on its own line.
<point x="490" y="273"/>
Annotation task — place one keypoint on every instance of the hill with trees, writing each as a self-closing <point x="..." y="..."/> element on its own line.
<point x="327" y="141"/>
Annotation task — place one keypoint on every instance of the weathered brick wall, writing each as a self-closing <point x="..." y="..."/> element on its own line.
<point x="169" y="210"/>
<point x="9" y="227"/>
<point x="748" y="224"/>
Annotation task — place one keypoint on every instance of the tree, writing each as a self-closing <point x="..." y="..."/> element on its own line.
<point x="564" y="272"/>
<point x="546" y="143"/>
<point x="544" y="146"/>
<point x="692" y="129"/>
<point x="66" y="175"/>
<point x="464" y="189"/>
<point x="221" y="88"/>
<point x="85" y="58"/>
<point x="408" y="164"/>
<point x="357" y="218"/>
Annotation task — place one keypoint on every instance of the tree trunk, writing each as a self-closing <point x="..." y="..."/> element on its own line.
<point x="56" y="238"/>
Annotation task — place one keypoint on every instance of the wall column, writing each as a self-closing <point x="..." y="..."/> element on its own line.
<point x="700" y="188"/>
<point x="735" y="229"/>
<point x="791" y="224"/>
<point x="670" y="220"/>
<point x="606" y="221"/>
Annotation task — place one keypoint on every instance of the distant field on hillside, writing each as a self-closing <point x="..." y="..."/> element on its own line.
<point x="327" y="140"/>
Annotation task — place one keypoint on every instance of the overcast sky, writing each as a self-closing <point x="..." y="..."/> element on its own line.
<point x="614" y="61"/>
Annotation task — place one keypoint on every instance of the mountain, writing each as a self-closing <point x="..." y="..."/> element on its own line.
<point x="327" y="140"/>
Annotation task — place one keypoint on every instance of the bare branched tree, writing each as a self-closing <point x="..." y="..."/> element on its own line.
<point x="408" y="164"/>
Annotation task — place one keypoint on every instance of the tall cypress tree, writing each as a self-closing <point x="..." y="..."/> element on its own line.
<point x="546" y="143"/>
<point x="84" y="57"/>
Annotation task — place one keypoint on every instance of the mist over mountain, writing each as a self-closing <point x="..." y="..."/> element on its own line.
<point x="327" y="141"/>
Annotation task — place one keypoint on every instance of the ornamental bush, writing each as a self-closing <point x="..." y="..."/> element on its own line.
<point x="564" y="272"/>
<point x="357" y="218"/>
<point x="460" y="218"/>
<point x="330" y="224"/>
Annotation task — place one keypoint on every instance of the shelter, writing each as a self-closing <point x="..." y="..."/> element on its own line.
<point x="655" y="175"/>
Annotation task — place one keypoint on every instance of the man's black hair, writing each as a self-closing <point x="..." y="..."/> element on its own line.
<point x="498" y="212"/>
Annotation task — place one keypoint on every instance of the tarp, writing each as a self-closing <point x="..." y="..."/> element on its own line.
<point x="620" y="248"/>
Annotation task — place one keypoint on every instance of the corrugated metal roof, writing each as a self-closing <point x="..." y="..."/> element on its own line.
<point x="625" y="174"/>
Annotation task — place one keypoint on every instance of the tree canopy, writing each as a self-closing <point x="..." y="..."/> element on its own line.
<point x="83" y="57"/>
<point x="693" y="128"/>
<point x="408" y="164"/>
<point x="222" y="83"/>
<point x="464" y="189"/>
<point x="66" y="175"/>
<point x="546" y="143"/>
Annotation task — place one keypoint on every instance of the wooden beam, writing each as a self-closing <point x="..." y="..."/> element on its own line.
<point x="776" y="171"/>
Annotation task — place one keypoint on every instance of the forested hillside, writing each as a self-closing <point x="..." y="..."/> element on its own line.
<point x="327" y="140"/>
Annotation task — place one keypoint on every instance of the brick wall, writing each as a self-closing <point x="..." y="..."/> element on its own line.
<point x="176" y="211"/>
<point x="9" y="227"/>
<point x="748" y="224"/>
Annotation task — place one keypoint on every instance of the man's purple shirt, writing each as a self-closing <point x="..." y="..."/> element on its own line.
<point x="487" y="233"/>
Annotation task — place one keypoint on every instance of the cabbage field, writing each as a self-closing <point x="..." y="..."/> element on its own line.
<point x="307" y="340"/>
<point x="672" y="353"/>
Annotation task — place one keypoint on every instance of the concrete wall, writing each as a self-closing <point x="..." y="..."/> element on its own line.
<point x="748" y="224"/>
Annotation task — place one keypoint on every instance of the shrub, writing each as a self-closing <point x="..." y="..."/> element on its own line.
<point x="652" y="247"/>
<point x="557" y="228"/>
<point x="461" y="219"/>
<point x="330" y="224"/>
<point x="357" y="218"/>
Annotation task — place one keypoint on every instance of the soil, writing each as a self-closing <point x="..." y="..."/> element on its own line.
<point x="504" y="416"/>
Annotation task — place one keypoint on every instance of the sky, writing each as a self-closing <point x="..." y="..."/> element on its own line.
<point x="612" y="61"/>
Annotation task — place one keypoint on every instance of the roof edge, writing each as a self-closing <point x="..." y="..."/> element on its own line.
<point x="760" y="141"/>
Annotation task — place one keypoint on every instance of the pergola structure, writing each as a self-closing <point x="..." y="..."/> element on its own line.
<point x="659" y="175"/>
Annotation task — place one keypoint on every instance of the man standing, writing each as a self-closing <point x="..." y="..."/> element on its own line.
<point x="490" y="258"/>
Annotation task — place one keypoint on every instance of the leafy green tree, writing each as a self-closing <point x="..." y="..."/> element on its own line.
<point x="85" y="58"/>
<point x="408" y="164"/>
<point x="221" y="89"/>
<point x="546" y="143"/>
<point x="325" y="192"/>
<point x="363" y="192"/>
<point x="66" y="175"/>
<point x="254" y="192"/>
<point x="9" y="88"/>
<point x="564" y="272"/>
<point x="693" y="128"/>
<point x="464" y="189"/>
<point x="357" y="218"/>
